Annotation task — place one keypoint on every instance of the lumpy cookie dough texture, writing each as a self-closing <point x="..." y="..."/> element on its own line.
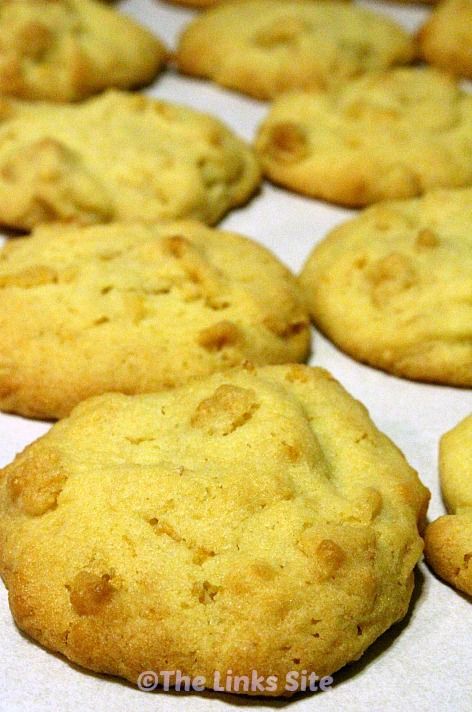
<point x="393" y="287"/>
<point x="449" y="539"/>
<point x="118" y="157"/>
<point x="64" y="50"/>
<point x="391" y="135"/>
<point x="136" y="308"/>
<point x="445" y="39"/>
<point x="254" y="520"/>
<point x="266" y="47"/>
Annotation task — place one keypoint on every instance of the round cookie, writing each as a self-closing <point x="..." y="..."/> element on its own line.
<point x="68" y="49"/>
<point x="253" y="520"/>
<point x="448" y="540"/>
<point x="135" y="308"/>
<point x="445" y="40"/>
<point x="266" y="47"/>
<point x="393" y="287"/>
<point x="383" y="136"/>
<point x="118" y="157"/>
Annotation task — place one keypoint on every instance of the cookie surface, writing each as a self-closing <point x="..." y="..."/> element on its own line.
<point x="68" y="49"/>
<point x="254" y="520"/>
<point x="393" y="287"/>
<point x="449" y="539"/>
<point x="119" y="156"/>
<point x="136" y="308"/>
<point x="266" y="47"/>
<point x="393" y="135"/>
<point x="445" y="40"/>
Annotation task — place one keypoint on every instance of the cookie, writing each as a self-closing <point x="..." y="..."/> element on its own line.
<point x="392" y="135"/>
<point x="445" y="40"/>
<point x="69" y="49"/>
<point x="253" y="520"/>
<point x="448" y="540"/>
<point x="118" y="157"/>
<point x="136" y="308"/>
<point x="393" y="287"/>
<point x="266" y="47"/>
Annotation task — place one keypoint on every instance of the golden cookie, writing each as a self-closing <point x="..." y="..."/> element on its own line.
<point x="393" y="287"/>
<point x="253" y="520"/>
<point x="121" y="157"/>
<point x="137" y="308"/>
<point x="266" y="47"/>
<point x="68" y="49"/>
<point x="446" y="38"/>
<point x="391" y="135"/>
<point x="449" y="539"/>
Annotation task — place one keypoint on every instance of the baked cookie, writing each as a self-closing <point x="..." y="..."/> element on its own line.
<point x="393" y="287"/>
<point x="68" y="49"/>
<point x="446" y="38"/>
<point x="392" y="135"/>
<point x="253" y="520"/>
<point x="135" y="308"/>
<point x="119" y="156"/>
<point x="266" y="47"/>
<point x="449" y="539"/>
